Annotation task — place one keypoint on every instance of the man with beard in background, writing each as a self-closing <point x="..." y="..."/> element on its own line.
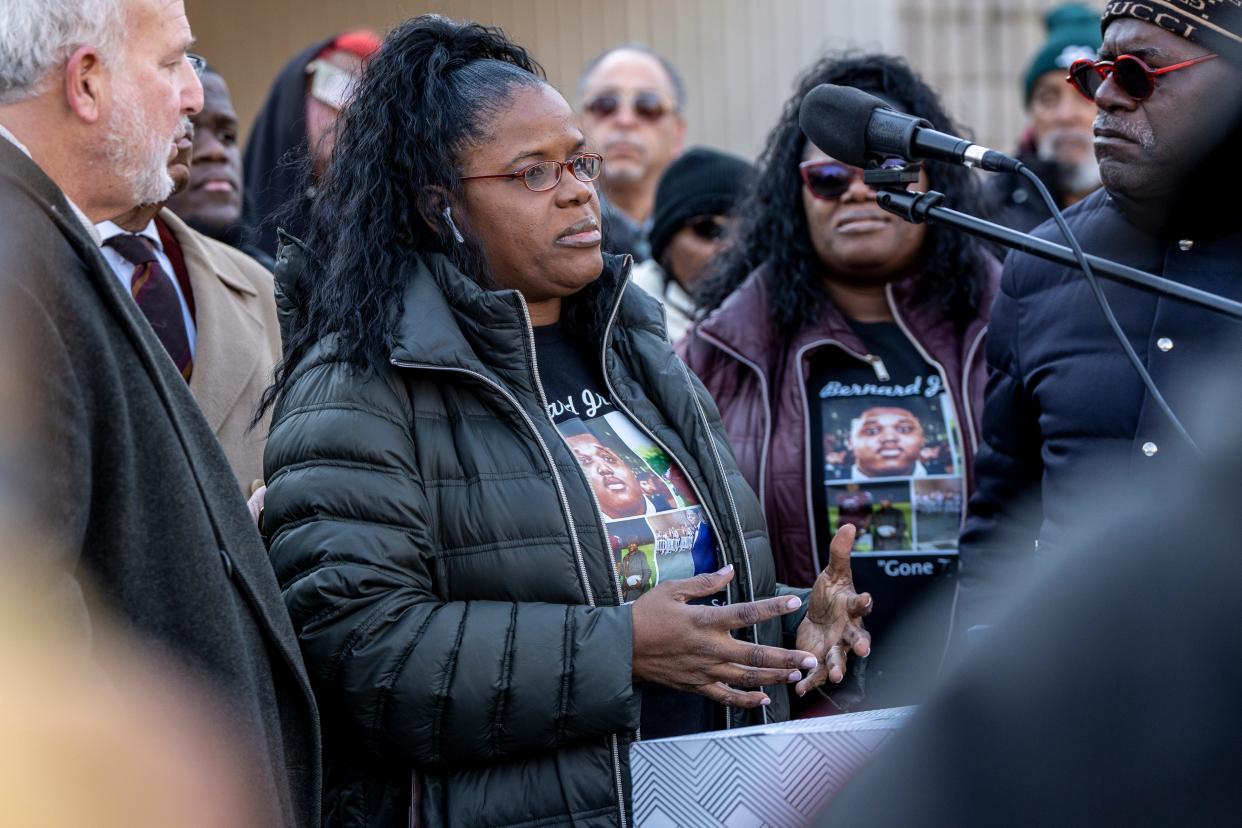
<point x="1067" y="418"/>
<point x="128" y="481"/>
<point x="1057" y="144"/>
<point x="632" y="101"/>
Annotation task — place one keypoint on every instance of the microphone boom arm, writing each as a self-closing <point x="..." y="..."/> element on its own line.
<point x="918" y="208"/>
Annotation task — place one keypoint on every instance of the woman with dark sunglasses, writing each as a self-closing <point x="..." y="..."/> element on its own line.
<point x="480" y="434"/>
<point x="690" y="225"/>
<point x="844" y="349"/>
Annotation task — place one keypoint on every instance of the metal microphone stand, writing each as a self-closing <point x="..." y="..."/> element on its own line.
<point x="891" y="194"/>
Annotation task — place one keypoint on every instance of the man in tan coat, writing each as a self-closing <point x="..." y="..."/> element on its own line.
<point x="230" y="341"/>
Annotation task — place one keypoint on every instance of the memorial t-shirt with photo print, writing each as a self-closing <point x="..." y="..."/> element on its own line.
<point x="889" y="461"/>
<point x="655" y="526"/>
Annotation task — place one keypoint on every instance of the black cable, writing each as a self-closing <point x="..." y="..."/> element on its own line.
<point x="1030" y="176"/>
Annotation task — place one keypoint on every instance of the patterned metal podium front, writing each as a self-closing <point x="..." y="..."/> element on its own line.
<point x="779" y="775"/>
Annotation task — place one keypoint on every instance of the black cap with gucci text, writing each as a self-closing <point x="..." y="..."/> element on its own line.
<point x="1215" y="25"/>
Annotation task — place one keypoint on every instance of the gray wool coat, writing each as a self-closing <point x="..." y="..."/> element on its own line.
<point x="144" y="511"/>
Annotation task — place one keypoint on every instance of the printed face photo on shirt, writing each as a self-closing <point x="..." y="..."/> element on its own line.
<point x="938" y="505"/>
<point x="668" y="478"/>
<point x="886" y="441"/>
<point x="634" y="549"/>
<point x="880" y="512"/>
<point x="875" y="438"/>
<point x="623" y="483"/>
<point x="630" y="475"/>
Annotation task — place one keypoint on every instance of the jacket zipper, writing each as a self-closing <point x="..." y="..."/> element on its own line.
<point x="970" y="358"/>
<point x="806" y="423"/>
<point x="614" y="741"/>
<point x="543" y="401"/>
<point x="556" y="477"/>
<point x="968" y="428"/>
<point x="672" y="457"/>
<point x="974" y="441"/>
<point x="737" y="518"/>
<point x="944" y="376"/>
<point x="877" y="365"/>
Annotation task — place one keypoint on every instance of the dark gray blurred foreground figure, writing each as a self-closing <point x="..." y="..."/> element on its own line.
<point x="1108" y="695"/>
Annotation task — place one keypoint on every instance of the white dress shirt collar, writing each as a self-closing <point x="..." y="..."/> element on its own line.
<point x="108" y="229"/>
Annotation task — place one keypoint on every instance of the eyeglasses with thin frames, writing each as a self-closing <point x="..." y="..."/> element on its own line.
<point x="546" y="175"/>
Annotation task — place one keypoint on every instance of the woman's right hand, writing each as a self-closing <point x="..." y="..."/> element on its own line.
<point x="688" y="646"/>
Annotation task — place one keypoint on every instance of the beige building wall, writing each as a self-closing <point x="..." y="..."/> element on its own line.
<point x="739" y="57"/>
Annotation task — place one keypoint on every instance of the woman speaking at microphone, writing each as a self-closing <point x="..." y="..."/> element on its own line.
<point x="510" y="531"/>
<point x="844" y="349"/>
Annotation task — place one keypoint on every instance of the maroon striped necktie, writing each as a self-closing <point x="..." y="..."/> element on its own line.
<point x="153" y="290"/>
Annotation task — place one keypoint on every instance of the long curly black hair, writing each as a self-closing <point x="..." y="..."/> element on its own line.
<point x="772" y="225"/>
<point x="426" y="96"/>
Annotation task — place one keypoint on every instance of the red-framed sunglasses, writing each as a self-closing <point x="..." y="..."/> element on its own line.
<point x="1133" y="76"/>
<point x="829" y="180"/>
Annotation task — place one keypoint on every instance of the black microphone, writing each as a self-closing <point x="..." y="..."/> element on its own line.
<point x="852" y="126"/>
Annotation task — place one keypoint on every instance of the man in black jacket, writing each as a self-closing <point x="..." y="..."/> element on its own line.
<point x="145" y="516"/>
<point x="1067" y="417"/>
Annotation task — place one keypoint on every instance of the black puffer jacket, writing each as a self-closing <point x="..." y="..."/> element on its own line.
<point x="449" y="580"/>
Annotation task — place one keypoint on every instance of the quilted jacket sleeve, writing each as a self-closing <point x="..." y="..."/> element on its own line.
<point x="1005" y="514"/>
<point x="407" y="675"/>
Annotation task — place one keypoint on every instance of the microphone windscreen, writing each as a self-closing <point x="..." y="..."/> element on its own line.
<point x="835" y="118"/>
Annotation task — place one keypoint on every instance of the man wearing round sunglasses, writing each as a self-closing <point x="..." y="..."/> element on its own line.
<point x="1067" y="419"/>
<point x="632" y="101"/>
<point x="691" y="224"/>
<point x="1057" y="142"/>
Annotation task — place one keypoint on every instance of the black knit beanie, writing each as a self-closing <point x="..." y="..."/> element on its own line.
<point x="701" y="182"/>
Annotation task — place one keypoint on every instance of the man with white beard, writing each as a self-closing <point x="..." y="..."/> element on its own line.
<point x="126" y="477"/>
<point x="1057" y="144"/>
